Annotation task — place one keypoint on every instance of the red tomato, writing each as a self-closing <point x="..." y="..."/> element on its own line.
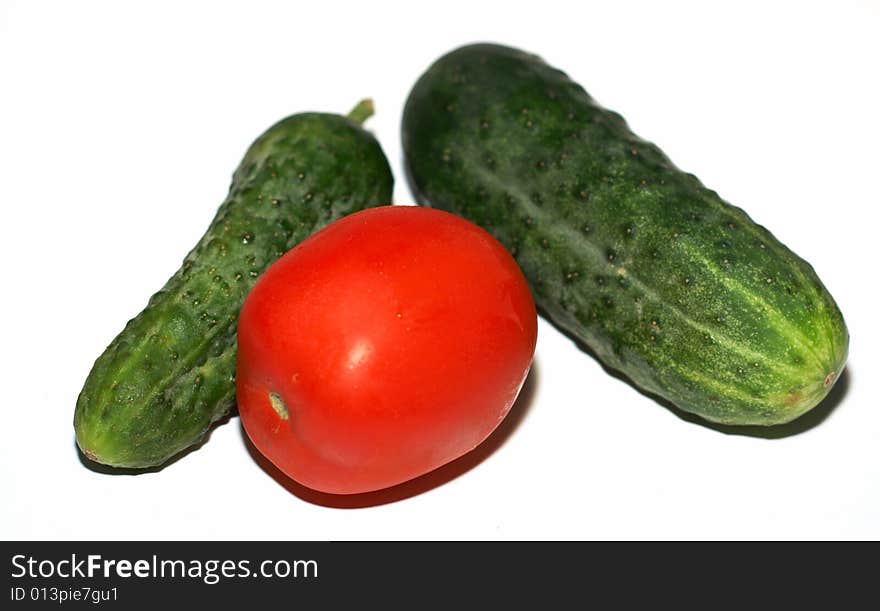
<point x="389" y="343"/>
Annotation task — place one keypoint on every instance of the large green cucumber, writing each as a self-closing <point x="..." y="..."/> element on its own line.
<point x="666" y="282"/>
<point x="170" y="373"/>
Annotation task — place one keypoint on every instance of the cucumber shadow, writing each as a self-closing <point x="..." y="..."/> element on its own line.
<point x="809" y="420"/>
<point x="97" y="467"/>
<point x="421" y="484"/>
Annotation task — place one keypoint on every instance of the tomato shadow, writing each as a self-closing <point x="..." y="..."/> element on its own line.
<point x="421" y="484"/>
<point x="811" y="419"/>
<point x="97" y="467"/>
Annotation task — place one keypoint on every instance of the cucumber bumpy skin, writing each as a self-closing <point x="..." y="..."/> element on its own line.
<point x="667" y="283"/>
<point x="170" y="373"/>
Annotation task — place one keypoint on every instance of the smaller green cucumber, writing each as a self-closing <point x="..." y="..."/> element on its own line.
<point x="170" y="373"/>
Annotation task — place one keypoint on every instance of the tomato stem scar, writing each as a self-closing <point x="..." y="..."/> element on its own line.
<point x="278" y="405"/>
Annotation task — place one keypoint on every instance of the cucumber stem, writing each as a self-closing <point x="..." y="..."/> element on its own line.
<point x="363" y="111"/>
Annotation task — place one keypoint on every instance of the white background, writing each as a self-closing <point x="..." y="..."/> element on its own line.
<point x="120" y="126"/>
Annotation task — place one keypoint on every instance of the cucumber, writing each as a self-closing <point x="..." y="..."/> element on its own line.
<point x="170" y="373"/>
<point x="664" y="281"/>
